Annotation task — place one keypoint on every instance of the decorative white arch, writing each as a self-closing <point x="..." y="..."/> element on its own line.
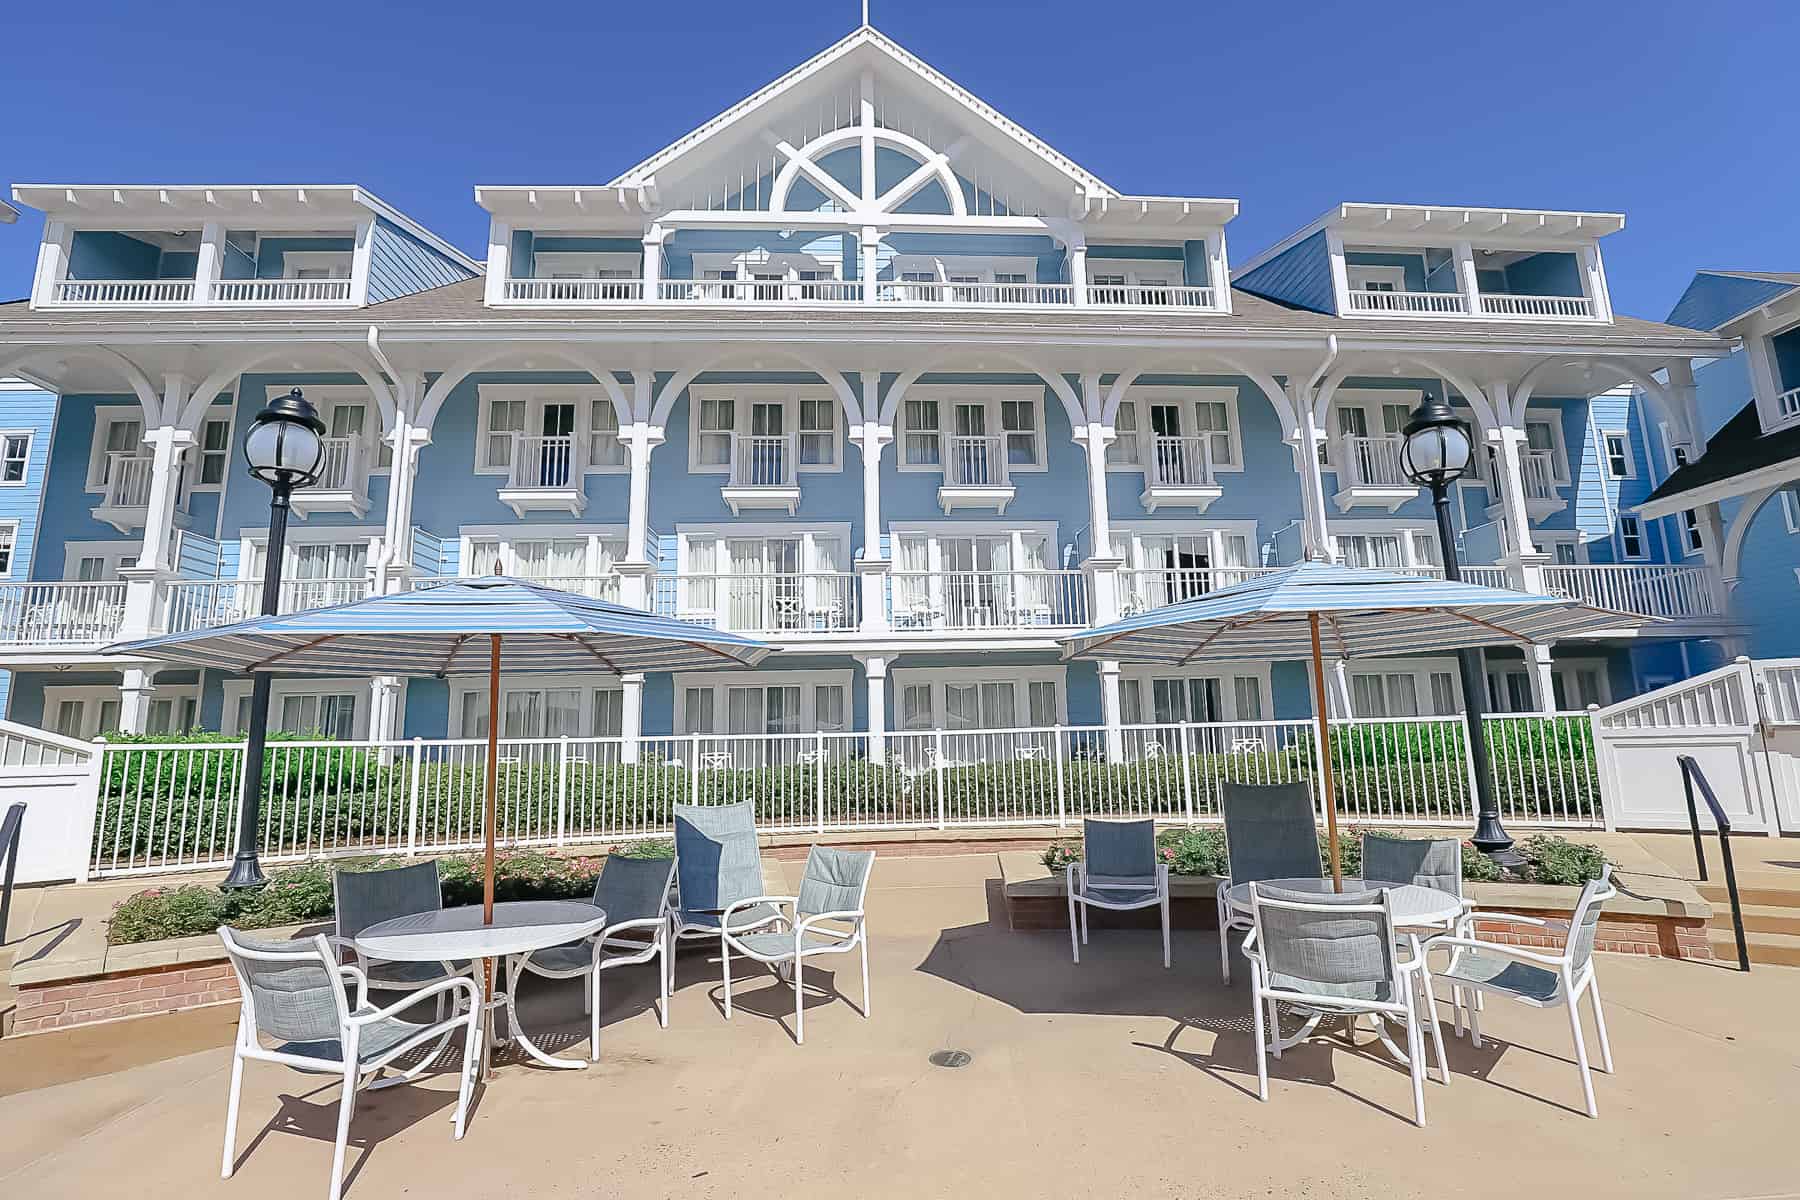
<point x="1731" y="561"/>
<point x="805" y="161"/>
<point x="1660" y="399"/>
<point x="481" y="360"/>
<point x="1265" y="382"/>
<point x="890" y="406"/>
<point x="677" y="383"/>
<point x="1471" y="393"/>
<point x="196" y="404"/>
<point x="148" y="396"/>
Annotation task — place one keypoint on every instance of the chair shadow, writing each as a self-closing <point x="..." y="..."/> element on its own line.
<point x="774" y="1000"/>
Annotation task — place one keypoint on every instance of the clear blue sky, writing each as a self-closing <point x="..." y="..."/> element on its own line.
<point x="1680" y="115"/>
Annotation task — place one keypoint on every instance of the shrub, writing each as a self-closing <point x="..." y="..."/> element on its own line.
<point x="1551" y="859"/>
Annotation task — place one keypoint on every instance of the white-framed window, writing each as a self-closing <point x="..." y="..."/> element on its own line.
<point x="118" y="431"/>
<point x="1564" y="548"/>
<point x="1104" y="273"/>
<point x="325" y="556"/>
<point x="963" y="698"/>
<point x="87" y="711"/>
<point x="9" y="539"/>
<point x="586" y="264"/>
<point x="932" y="417"/>
<point x="574" y="705"/>
<point x="542" y="552"/>
<point x="1575" y="683"/>
<point x="790" y="574"/>
<point x="1369" y="413"/>
<point x="1166" y="562"/>
<point x="1693" y="539"/>
<point x="761" y="703"/>
<point x="582" y="413"/>
<point x="1394" y="545"/>
<point x="1620" y="462"/>
<point x="15" y="457"/>
<point x="1543" y="435"/>
<point x="1165" y="696"/>
<point x="780" y="276"/>
<point x="1370" y="278"/>
<point x="316" y="264"/>
<point x="955" y="269"/>
<point x="1790" y="509"/>
<point x="1147" y="414"/>
<point x="809" y="413"/>
<point x="329" y="709"/>
<point x="1631" y="537"/>
<point x="98" y="562"/>
<point x="214" y="451"/>
<point x="1426" y="687"/>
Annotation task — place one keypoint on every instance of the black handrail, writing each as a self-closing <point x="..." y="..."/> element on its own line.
<point x="9" y="850"/>
<point x="1691" y="775"/>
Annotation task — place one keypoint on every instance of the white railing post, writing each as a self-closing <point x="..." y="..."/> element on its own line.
<point x="1056" y="755"/>
<point x="1608" y="821"/>
<point x="1187" y="780"/>
<point x="694" y="768"/>
<point x="562" y="789"/>
<point x="417" y="775"/>
<point x="819" y="779"/>
<point x="943" y="781"/>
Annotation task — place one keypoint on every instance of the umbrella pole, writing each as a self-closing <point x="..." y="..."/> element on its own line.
<point x="1325" y="768"/>
<point x="491" y="806"/>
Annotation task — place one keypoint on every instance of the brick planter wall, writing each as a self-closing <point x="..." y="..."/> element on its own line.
<point x="119" y="994"/>
<point x="1622" y="933"/>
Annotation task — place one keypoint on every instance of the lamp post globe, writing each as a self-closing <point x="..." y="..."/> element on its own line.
<point x="1437" y="450"/>
<point x="285" y="448"/>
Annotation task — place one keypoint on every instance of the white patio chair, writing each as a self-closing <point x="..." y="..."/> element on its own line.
<point x="1119" y="871"/>
<point x="1337" y="955"/>
<point x="1425" y="862"/>
<point x="813" y="923"/>
<point x="293" y="994"/>
<point x="365" y="898"/>
<point x="635" y="894"/>
<point x="717" y="866"/>
<point x="1535" y="978"/>
<point x="1269" y="834"/>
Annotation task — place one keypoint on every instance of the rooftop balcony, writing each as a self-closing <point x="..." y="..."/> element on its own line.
<point x="151" y="268"/>
<point x="1642" y="589"/>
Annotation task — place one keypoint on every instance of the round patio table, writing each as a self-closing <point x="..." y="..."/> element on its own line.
<point x="1413" y="904"/>
<point x="519" y="928"/>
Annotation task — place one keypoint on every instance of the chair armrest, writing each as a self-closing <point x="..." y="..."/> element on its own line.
<point x="778" y="901"/>
<point x="854" y="915"/>
<point x="1417" y="958"/>
<point x="457" y="983"/>
<point x="639" y="923"/>
<point x="1500" y="948"/>
<point x="1488" y="914"/>
<point x="362" y="983"/>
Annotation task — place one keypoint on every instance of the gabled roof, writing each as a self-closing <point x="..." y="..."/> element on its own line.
<point x="1739" y="449"/>
<point x="1716" y="298"/>
<point x="865" y="45"/>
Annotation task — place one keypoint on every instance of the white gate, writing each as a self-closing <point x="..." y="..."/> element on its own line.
<point x="55" y="779"/>
<point x="1741" y="724"/>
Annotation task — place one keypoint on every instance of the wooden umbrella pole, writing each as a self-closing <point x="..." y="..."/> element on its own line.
<point x="1325" y="769"/>
<point x="490" y="807"/>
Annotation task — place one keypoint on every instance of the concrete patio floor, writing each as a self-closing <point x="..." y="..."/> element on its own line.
<point x="1113" y="1077"/>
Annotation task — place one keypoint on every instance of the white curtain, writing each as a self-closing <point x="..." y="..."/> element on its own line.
<point x="748" y="588"/>
<point x="701" y="590"/>
<point x="999" y="706"/>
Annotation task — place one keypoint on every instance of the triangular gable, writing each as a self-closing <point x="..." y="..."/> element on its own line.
<point x="717" y="142"/>
<point x="1716" y="298"/>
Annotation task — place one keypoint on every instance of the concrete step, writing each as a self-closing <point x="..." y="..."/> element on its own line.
<point x="1768" y="949"/>
<point x="1758" y="894"/>
<point x="1758" y="918"/>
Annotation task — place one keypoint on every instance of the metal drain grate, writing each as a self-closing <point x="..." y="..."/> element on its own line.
<point x="951" y="1058"/>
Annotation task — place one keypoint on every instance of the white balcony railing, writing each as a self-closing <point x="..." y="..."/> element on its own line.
<point x="1646" y="589"/>
<point x="574" y="291"/>
<point x="1142" y="589"/>
<point x="340" y="465"/>
<point x="766" y="291"/>
<point x="938" y="291"/>
<point x="1536" y="306"/>
<point x="1372" y="461"/>
<point x="1787" y="405"/>
<point x="1181" y="461"/>
<point x="1480" y="576"/>
<point x="128" y="478"/>
<point x="773" y="602"/>
<point x="1152" y="295"/>
<point x="543" y="462"/>
<point x="1434" y="303"/>
<point x="53" y="614"/>
<point x="763" y="460"/>
<point x="280" y="291"/>
<point x="957" y="600"/>
<point x="1539" y="474"/>
<point x="976" y="462"/>
<point x="208" y="603"/>
<point x="124" y="291"/>
<point x="595" y="587"/>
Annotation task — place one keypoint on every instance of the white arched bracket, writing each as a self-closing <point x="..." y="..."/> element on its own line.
<point x="146" y="392"/>
<point x="1265" y="383"/>
<point x="1731" y="561"/>
<point x="1677" y="416"/>
<point x="1054" y="380"/>
<point x="193" y="410"/>
<point x="495" y="356"/>
<point x="1486" y="419"/>
<point x="679" y="382"/>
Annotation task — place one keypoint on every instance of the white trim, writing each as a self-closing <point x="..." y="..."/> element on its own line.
<point x="1412" y="533"/>
<point x="30" y="436"/>
<point x="900" y="678"/>
<point x="235" y="691"/>
<point x="508" y="536"/>
<point x="1623" y="435"/>
<point x="252" y="541"/>
<point x="1643" y="539"/>
<point x="226" y="413"/>
<point x="116" y="553"/>
<point x="9" y="531"/>
<point x="719" y="682"/>
<point x="105" y="417"/>
<point x="948" y="396"/>
<point x="726" y="531"/>
<point x="587" y="682"/>
<point x="94" y="695"/>
<point x="535" y="396"/>
<point x="1426" y="222"/>
<point x="1142" y="674"/>
<point x="1790" y="509"/>
<point x="1187" y="396"/>
<point x="1359" y="275"/>
<point x="747" y="395"/>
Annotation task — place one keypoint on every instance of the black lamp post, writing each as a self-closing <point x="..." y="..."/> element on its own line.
<point x="283" y="449"/>
<point x="1438" y="451"/>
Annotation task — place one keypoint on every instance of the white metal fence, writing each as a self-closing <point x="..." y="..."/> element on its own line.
<point x="166" y="807"/>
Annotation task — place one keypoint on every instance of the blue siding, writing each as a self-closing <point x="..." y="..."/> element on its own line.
<point x="103" y="254"/>
<point x="1551" y="273"/>
<point x="1299" y="275"/>
<point x="21" y="504"/>
<point x="400" y="264"/>
<point x="1711" y="299"/>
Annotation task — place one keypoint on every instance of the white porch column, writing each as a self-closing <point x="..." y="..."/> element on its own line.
<point x="631" y="716"/>
<point x="405" y="440"/>
<point x="144" y="580"/>
<point x="208" y="260"/>
<point x="872" y="568"/>
<point x="1314" y="521"/>
<point x="653" y="262"/>
<point x="875" y="666"/>
<point x="1467" y="281"/>
<point x="135" y="689"/>
<point x="1509" y="442"/>
<point x="1765" y="380"/>
<point x="1543" y="685"/>
<point x="52" y="261"/>
<point x="1111" y="710"/>
<point x="1685" y="397"/>
<point x="384" y="708"/>
<point x="634" y="573"/>
<point x="499" y="260"/>
<point x="1337" y="689"/>
<point x="868" y="250"/>
<point x="1078" y="273"/>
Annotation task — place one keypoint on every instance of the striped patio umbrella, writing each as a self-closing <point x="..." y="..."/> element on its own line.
<point x="1355" y="611"/>
<point x="458" y="627"/>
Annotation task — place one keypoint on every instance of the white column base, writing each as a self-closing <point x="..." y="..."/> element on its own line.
<point x="1543" y="684"/>
<point x="1110" y="711"/>
<point x="876" y="669"/>
<point x="631" y="717"/>
<point x="137" y="686"/>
